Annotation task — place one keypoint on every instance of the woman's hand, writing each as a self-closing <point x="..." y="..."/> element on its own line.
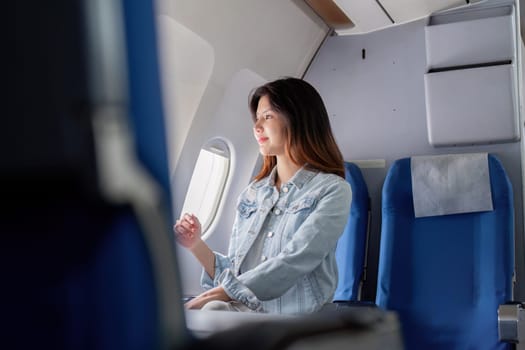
<point x="188" y="234"/>
<point x="199" y="301"/>
<point x="188" y="231"/>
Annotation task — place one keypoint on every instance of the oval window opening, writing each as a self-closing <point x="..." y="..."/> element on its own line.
<point x="208" y="182"/>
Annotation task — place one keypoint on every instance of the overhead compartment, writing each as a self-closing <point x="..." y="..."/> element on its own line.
<point x="471" y="82"/>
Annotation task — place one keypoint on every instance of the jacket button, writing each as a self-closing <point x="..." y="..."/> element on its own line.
<point x="263" y="258"/>
<point x="270" y="234"/>
<point x="277" y="211"/>
<point x="285" y="189"/>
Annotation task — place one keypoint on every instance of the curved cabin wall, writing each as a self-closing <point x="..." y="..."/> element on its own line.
<point x="252" y="42"/>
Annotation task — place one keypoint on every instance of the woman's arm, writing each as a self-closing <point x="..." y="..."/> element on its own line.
<point x="188" y="234"/>
<point x="205" y="255"/>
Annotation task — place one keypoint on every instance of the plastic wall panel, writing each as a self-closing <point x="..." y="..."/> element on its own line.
<point x="472" y="106"/>
<point x="377" y="109"/>
<point x="470" y="42"/>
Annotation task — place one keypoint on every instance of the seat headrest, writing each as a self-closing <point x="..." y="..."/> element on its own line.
<point x="450" y="184"/>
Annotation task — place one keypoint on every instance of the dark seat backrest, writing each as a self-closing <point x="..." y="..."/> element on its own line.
<point x="81" y="269"/>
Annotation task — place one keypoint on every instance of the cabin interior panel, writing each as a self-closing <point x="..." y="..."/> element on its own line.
<point x="372" y="84"/>
<point x="374" y="91"/>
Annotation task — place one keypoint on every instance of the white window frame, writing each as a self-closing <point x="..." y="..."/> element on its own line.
<point x="208" y="183"/>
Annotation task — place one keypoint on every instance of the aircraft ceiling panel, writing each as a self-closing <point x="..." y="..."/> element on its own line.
<point x="408" y="10"/>
<point x="367" y="15"/>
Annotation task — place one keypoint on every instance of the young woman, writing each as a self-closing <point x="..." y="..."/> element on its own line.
<point x="281" y="256"/>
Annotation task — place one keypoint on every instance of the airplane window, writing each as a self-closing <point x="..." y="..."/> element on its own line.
<point x="208" y="182"/>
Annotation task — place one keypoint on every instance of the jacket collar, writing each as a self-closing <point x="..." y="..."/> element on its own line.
<point x="300" y="178"/>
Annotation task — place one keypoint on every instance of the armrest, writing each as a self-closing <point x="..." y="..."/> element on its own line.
<point x="511" y="322"/>
<point x="341" y="304"/>
<point x="348" y="328"/>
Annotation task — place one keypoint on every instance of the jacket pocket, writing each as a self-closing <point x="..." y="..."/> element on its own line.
<point x="246" y="209"/>
<point x="306" y="204"/>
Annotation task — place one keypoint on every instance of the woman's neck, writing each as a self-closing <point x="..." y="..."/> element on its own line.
<point x="285" y="170"/>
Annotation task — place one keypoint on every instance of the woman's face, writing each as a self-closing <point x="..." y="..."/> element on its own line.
<point x="269" y="129"/>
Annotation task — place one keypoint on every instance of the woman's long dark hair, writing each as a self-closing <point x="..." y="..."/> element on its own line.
<point x="310" y="139"/>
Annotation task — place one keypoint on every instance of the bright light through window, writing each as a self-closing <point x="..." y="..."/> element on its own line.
<point x="207" y="183"/>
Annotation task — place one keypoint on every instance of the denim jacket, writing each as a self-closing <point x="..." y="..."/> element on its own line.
<point x="297" y="272"/>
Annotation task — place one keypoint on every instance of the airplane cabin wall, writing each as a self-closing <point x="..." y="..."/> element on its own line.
<point x="252" y="42"/>
<point x="374" y="91"/>
<point x="376" y="104"/>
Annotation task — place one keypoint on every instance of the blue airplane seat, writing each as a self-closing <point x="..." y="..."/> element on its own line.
<point x="446" y="275"/>
<point x="351" y="247"/>
<point x="84" y="269"/>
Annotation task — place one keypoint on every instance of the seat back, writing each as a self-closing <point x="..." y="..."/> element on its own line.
<point x="89" y="263"/>
<point x="351" y="247"/>
<point x="446" y="275"/>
